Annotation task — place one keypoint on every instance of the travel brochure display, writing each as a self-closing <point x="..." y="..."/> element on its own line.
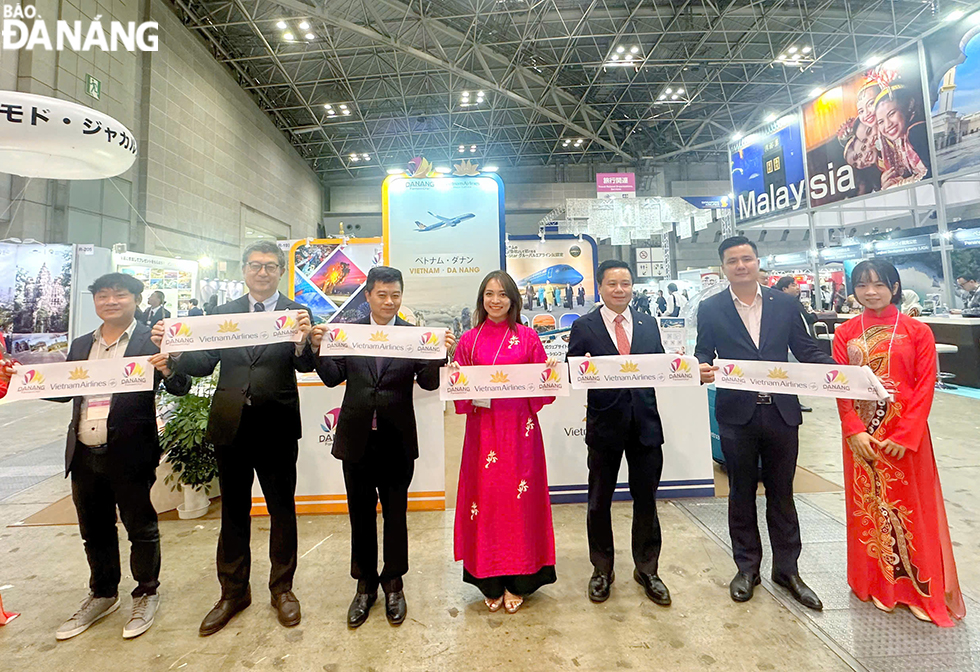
<point x="35" y="297"/>
<point x="368" y="340"/>
<point x="328" y="277"/>
<point x="230" y="330"/>
<point x="176" y="278"/>
<point x="88" y="377"/>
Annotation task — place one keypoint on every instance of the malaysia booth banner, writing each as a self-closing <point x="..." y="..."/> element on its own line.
<point x="444" y="233"/>
<point x="621" y="371"/>
<point x="513" y="381"/>
<point x="953" y="67"/>
<point x="368" y="340"/>
<point x="329" y="276"/>
<point x="767" y="170"/>
<point x="818" y="380"/>
<point x="230" y="330"/>
<point x="556" y="278"/>
<point x="869" y="133"/>
<point x="72" y="379"/>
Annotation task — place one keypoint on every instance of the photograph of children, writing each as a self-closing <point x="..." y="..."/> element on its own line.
<point x="869" y="133"/>
<point x="953" y="67"/>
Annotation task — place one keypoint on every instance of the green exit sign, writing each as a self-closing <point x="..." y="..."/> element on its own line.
<point x="93" y="87"/>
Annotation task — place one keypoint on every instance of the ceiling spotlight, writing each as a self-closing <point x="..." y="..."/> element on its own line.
<point x="663" y="96"/>
<point x="566" y="143"/>
<point x="353" y="157"/>
<point x="797" y="57"/>
<point x="680" y="90"/>
<point x="480" y="94"/>
<point x="304" y="25"/>
<point x="462" y="149"/>
<point x="281" y="25"/>
<point x="674" y="97"/>
<point x="668" y="91"/>
<point x="792" y="50"/>
<point x="782" y="57"/>
<point x="287" y="36"/>
<point x="736" y="137"/>
<point x="806" y="50"/>
<point x="634" y="50"/>
<point x="614" y="57"/>
<point x="310" y="36"/>
<point x="770" y="118"/>
<point x="343" y="107"/>
<point x="627" y="57"/>
<point x="331" y="113"/>
<point x="578" y="142"/>
<point x="346" y="113"/>
<point x="816" y="92"/>
<point x="620" y="49"/>
<point x="328" y="106"/>
<point x="367" y="157"/>
<point x="466" y="94"/>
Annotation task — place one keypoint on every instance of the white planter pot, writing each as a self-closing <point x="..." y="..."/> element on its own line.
<point x="196" y="503"/>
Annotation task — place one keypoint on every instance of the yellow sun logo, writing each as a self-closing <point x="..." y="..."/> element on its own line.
<point x="78" y="374"/>
<point x="629" y="367"/>
<point x="778" y="374"/>
<point x="465" y="168"/>
<point x="499" y="377"/>
<point x="228" y="327"/>
<point x="379" y="337"/>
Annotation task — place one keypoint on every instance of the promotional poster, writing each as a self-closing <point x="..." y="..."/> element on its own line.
<point x="176" y="278"/>
<point x="953" y="66"/>
<point x="445" y="234"/>
<point x="767" y="170"/>
<point x="868" y="134"/>
<point x="328" y="277"/>
<point x="556" y="278"/>
<point x="35" y="293"/>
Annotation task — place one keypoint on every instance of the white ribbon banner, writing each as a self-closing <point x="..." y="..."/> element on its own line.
<point x="620" y="371"/>
<point x="73" y="379"/>
<point x="818" y="380"/>
<point x="514" y="381"/>
<point x="371" y="340"/>
<point x="232" y="330"/>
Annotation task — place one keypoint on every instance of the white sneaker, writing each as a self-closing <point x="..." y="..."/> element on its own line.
<point x="92" y="609"/>
<point x="144" y="609"/>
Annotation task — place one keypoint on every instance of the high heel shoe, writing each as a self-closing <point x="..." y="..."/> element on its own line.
<point x="919" y="613"/>
<point x="494" y="605"/>
<point x="881" y="606"/>
<point x="513" y="606"/>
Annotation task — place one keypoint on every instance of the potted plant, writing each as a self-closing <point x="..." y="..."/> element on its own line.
<point x="189" y="455"/>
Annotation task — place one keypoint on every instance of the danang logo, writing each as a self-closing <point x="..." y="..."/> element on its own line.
<point x="588" y="372"/>
<point x="458" y="383"/>
<point x="133" y="374"/>
<point x="732" y="373"/>
<point x="429" y="342"/>
<point x="179" y="334"/>
<point x="836" y="381"/>
<point x="285" y="325"/>
<point x="336" y="336"/>
<point x="680" y="370"/>
<point x="33" y="381"/>
<point x="74" y="35"/>
<point x="550" y="379"/>
<point x="329" y="426"/>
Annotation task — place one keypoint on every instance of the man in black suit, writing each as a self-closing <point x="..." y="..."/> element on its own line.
<point x="195" y="310"/>
<point x="155" y="311"/>
<point x="618" y="422"/>
<point x="112" y="453"/>
<point x="255" y="428"/>
<point x="750" y="322"/>
<point x="377" y="442"/>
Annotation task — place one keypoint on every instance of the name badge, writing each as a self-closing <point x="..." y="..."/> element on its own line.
<point x="98" y="408"/>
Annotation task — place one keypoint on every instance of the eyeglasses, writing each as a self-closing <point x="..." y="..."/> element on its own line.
<point x="255" y="267"/>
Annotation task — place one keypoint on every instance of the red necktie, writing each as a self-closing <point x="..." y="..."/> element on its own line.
<point x="622" y="342"/>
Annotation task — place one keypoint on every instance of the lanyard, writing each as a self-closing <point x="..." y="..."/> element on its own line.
<point x="473" y="348"/>
<point x="891" y="342"/>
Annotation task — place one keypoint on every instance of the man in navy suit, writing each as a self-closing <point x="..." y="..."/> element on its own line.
<point x="750" y="322"/>
<point x="618" y="422"/>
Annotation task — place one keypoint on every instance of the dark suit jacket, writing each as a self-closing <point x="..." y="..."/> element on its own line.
<point x="722" y="333"/>
<point x="608" y="413"/>
<point x="389" y="395"/>
<point x="133" y="442"/>
<point x="161" y="313"/>
<point x="265" y="375"/>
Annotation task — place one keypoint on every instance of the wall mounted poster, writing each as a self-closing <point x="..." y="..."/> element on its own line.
<point x="35" y="297"/>
<point x="563" y="266"/>
<point x="869" y="133"/>
<point x="176" y="278"/>
<point x="953" y="66"/>
<point x="767" y="170"/>
<point x="445" y="234"/>
<point x="329" y="276"/>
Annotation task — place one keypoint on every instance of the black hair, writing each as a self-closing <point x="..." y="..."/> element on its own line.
<point x="610" y="264"/>
<point x="882" y="270"/>
<point x="735" y="241"/>
<point x="969" y="276"/>
<point x="160" y="295"/>
<point x="117" y="281"/>
<point x="384" y="275"/>
<point x="193" y="302"/>
<point x="671" y="288"/>
<point x="512" y="292"/>
<point x="265" y="247"/>
<point x="784" y="282"/>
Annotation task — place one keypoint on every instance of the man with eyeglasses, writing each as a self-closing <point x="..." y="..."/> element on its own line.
<point x="255" y="428"/>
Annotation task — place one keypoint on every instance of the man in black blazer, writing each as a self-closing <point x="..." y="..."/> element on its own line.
<point x="255" y="428"/>
<point x="618" y="422"/>
<point x="155" y="311"/>
<point x="750" y="322"/>
<point x="377" y="442"/>
<point x="112" y="453"/>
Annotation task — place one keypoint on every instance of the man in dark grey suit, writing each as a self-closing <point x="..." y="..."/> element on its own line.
<point x="377" y="441"/>
<point x="255" y="428"/>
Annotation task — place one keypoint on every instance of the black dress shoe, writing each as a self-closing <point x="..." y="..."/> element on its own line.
<point x="743" y="586"/>
<point x="223" y="611"/>
<point x="360" y="607"/>
<point x="599" y="585"/>
<point x="287" y="608"/>
<point x="395" y="607"/>
<point x="654" y="587"/>
<point x="799" y="590"/>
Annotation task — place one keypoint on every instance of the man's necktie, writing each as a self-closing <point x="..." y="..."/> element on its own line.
<point x="622" y="342"/>
<point x="253" y="349"/>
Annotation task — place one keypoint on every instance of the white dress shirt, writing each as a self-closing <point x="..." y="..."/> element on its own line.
<point x="609" y="319"/>
<point x="389" y="324"/>
<point x="94" y="431"/>
<point x="751" y="313"/>
<point x="269" y="304"/>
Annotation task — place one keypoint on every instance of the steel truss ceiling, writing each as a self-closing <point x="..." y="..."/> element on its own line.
<point x="401" y="67"/>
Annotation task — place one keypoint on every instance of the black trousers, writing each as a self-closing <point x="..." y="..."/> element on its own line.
<point x="383" y="474"/>
<point x="97" y="489"/>
<point x="257" y="451"/>
<point x="766" y="436"/>
<point x="518" y="584"/>
<point x="645" y="466"/>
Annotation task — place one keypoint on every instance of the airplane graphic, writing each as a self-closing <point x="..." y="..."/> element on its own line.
<point x="443" y="221"/>
<point x="559" y="274"/>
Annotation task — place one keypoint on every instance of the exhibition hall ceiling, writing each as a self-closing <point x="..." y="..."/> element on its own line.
<point x="362" y="86"/>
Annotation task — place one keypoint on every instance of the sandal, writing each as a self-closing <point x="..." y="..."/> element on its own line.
<point x="512" y="605"/>
<point x="919" y="613"/>
<point x="494" y="605"/>
<point x="881" y="606"/>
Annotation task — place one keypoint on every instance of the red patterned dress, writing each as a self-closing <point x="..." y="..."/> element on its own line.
<point x="898" y="544"/>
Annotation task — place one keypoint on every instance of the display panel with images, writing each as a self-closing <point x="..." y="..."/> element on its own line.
<point x="767" y="170"/>
<point x="869" y="133"/>
<point x="329" y="276"/>
<point x="444" y="234"/>
<point x="953" y="67"/>
<point x="35" y="299"/>
<point x="556" y="278"/>
<point x="176" y="278"/>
